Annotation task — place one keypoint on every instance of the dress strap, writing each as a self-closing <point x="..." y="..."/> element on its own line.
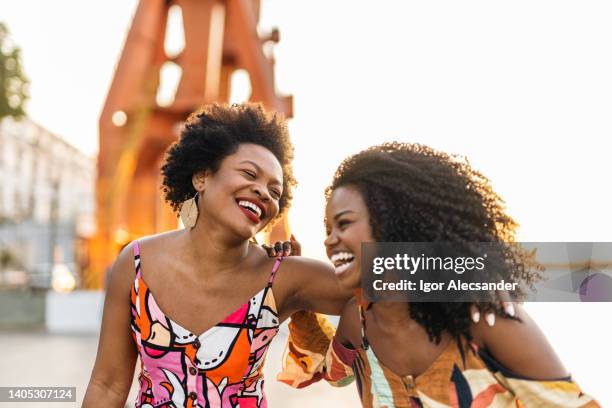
<point x="137" y="258"/>
<point x="380" y="385"/>
<point x="364" y="340"/>
<point x="363" y="306"/>
<point x="136" y="305"/>
<point x="274" y="269"/>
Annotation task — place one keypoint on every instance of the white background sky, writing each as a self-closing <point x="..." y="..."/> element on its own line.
<point x="522" y="88"/>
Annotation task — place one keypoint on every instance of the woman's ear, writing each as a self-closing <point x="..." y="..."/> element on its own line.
<point x="199" y="180"/>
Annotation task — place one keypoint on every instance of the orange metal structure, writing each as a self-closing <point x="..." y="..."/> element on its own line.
<point x="220" y="37"/>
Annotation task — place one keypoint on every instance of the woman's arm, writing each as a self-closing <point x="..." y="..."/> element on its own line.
<point x="113" y="370"/>
<point x="313" y="352"/>
<point x="313" y="285"/>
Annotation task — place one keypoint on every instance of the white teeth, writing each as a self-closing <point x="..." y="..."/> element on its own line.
<point x="342" y="268"/>
<point x="342" y="256"/>
<point x="248" y="204"/>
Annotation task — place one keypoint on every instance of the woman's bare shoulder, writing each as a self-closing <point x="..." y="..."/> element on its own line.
<point x="297" y="271"/>
<point x="520" y="346"/>
<point x="162" y="241"/>
<point x="122" y="272"/>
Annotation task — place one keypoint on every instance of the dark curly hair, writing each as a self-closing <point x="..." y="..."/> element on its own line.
<point x="414" y="193"/>
<point x="215" y="132"/>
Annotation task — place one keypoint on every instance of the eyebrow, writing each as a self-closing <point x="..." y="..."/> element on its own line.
<point x="259" y="169"/>
<point x="251" y="162"/>
<point x="341" y="213"/>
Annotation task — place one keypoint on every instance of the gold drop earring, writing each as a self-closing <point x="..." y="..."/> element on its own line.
<point x="189" y="211"/>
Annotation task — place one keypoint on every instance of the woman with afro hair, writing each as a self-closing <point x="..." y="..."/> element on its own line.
<point x="425" y="354"/>
<point x="196" y="304"/>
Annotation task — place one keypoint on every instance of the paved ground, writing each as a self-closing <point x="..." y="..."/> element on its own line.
<point x="580" y="333"/>
<point x="37" y="358"/>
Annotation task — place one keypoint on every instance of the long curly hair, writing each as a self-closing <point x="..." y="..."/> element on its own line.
<point x="215" y="132"/>
<point x="414" y="193"/>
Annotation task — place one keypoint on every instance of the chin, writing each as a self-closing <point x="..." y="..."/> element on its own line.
<point x="243" y="232"/>
<point x="351" y="279"/>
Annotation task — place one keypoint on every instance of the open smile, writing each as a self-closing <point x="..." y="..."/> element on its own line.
<point x="253" y="209"/>
<point x="342" y="261"/>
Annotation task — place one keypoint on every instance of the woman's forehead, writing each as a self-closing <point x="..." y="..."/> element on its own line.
<point x="344" y="198"/>
<point x="258" y="156"/>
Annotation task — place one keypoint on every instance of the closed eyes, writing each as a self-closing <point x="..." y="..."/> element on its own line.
<point x="276" y="194"/>
<point x="251" y="175"/>
<point x="343" y="223"/>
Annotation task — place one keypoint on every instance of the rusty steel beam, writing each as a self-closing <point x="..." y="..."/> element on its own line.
<point x="220" y="37"/>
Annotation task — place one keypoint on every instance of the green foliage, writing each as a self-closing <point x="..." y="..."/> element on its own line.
<point x="9" y="259"/>
<point x="13" y="82"/>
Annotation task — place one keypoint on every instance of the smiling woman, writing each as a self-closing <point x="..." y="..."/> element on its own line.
<point x="203" y="308"/>
<point x="212" y="134"/>
<point x="426" y="354"/>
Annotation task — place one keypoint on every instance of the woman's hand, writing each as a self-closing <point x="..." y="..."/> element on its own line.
<point x="476" y="309"/>
<point x="284" y="248"/>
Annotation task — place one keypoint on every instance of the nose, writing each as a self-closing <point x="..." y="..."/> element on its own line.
<point x="330" y="241"/>
<point x="261" y="192"/>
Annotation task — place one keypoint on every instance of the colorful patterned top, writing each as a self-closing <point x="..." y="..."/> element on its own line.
<point x="221" y="368"/>
<point x="463" y="376"/>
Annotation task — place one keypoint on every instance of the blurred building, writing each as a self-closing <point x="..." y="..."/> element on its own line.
<point x="46" y="202"/>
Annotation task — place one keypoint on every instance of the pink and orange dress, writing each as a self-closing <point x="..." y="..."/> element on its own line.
<point x="220" y="368"/>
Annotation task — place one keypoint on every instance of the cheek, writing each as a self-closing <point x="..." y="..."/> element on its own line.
<point x="275" y="208"/>
<point x="213" y="206"/>
<point x="361" y="233"/>
<point x="224" y="193"/>
<point x="218" y="197"/>
<point x="235" y="181"/>
<point x="366" y="232"/>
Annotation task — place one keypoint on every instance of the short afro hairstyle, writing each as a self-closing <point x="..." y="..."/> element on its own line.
<point x="414" y="193"/>
<point x="215" y="132"/>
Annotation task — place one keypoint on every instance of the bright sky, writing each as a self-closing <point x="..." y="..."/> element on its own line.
<point x="522" y="88"/>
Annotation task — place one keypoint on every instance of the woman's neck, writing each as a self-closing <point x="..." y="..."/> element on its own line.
<point x="213" y="250"/>
<point x="389" y="315"/>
